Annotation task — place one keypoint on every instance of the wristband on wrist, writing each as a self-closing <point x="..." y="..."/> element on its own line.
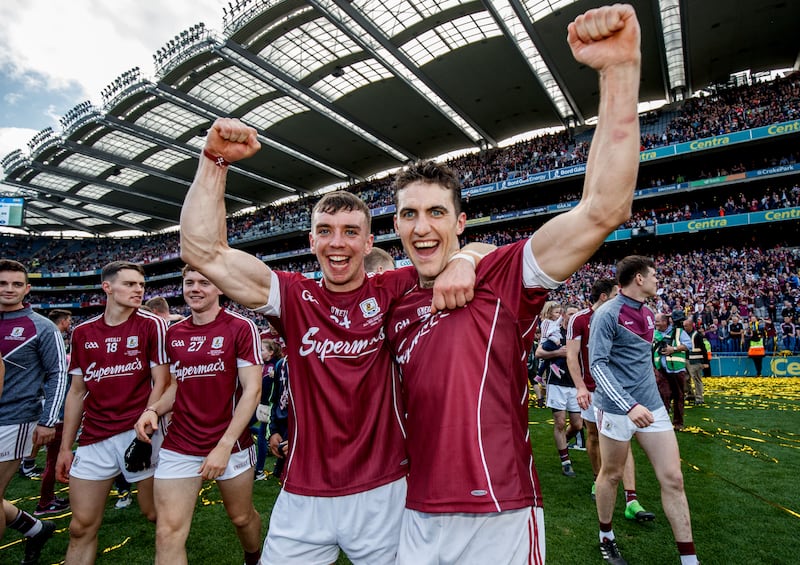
<point x="218" y="160"/>
<point x="151" y="409"/>
<point x="464" y="256"/>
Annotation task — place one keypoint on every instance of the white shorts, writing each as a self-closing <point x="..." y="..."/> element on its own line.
<point x="310" y="530"/>
<point x="588" y="414"/>
<point x="106" y="459"/>
<point x="16" y="441"/>
<point x="174" y="465"/>
<point x="622" y="428"/>
<point x="513" y="537"/>
<point x="563" y="398"/>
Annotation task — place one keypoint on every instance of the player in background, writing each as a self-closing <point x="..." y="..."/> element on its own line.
<point x="475" y="409"/>
<point x="378" y="261"/>
<point x="602" y="291"/>
<point x="627" y="402"/>
<point x="346" y="454"/>
<point x="35" y="371"/>
<point x="119" y="367"/>
<point x="215" y="361"/>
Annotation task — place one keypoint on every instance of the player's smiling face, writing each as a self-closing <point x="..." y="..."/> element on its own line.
<point x="428" y="226"/>
<point x="340" y="240"/>
<point x="199" y="292"/>
<point x="126" y="289"/>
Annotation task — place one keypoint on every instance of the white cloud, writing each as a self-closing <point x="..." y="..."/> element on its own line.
<point x="91" y="42"/>
<point x="14" y="138"/>
<point x="12" y="98"/>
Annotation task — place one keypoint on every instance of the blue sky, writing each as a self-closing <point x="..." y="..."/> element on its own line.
<point x="55" y="54"/>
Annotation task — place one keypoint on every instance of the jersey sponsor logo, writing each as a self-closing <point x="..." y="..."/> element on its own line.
<point x="133" y="341"/>
<point x="91" y="345"/>
<point x="178" y="343"/>
<point x="340" y="316"/>
<point x="308" y="297"/>
<point x="94" y="373"/>
<point x="342" y="349"/>
<point x="423" y="311"/>
<point x="405" y="347"/>
<point x="17" y="331"/>
<point x="198" y="371"/>
<point x="217" y="342"/>
<point x="628" y="322"/>
<point x="370" y="308"/>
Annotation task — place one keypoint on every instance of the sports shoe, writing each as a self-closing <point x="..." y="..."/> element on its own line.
<point x="34" y="544"/>
<point x="635" y="511"/>
<point x="56" y="506"/>
<point x="594" y="491"/>
<point x="263" y="475"/>
<point x="30" y="472"/>
<point x="610" y="552"/>
<point x="567" y="470"/>
<point x="124" y="501"/>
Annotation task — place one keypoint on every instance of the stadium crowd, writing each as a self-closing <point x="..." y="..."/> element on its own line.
<point x="726" y="110"/>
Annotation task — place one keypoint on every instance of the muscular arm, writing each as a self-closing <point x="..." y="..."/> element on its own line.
<point x="204" y="235"/>
<point x="542" y="353"/>
<point x="574" y="367"/>
<point x="73" y="411"/>
<point x="607" y="40"/>
<point x="216" y="461"/>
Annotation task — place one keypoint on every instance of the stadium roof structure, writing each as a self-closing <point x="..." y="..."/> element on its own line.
<point x="342" y="89"/>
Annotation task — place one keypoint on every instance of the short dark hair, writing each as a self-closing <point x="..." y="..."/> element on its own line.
<point x="601" y="286"/>
<point x="429" y="172"/>
<point x="633" y="265"/>
<point x="15" y="266"/>
<point x="339" y="200"/>
<point x="57" y="314"/>
<point x="111" y="270"/>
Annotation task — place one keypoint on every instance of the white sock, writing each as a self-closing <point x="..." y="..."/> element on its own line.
<point x="689" y="560"/>
<point x="609" y="536"/>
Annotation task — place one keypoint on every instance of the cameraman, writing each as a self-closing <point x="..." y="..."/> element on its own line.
<point x="670" y="346"/>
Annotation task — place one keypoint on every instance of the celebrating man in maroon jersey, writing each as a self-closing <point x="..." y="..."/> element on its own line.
<point x="466" y="398"/>
<point x="215" y="360"/>
<point x="115" y="358"/>
<point x="344" y="477"/>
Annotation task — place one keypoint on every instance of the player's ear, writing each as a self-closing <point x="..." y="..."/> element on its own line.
<point x="461" y="223"/>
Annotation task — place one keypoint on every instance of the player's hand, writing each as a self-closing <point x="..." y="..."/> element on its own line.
<point x="146" y="425"/>
<point x="42" y="435"/>
<point x="584" y="398"/>
<point x="605" y="37"/>
<point x="232" y="140"/>
<point x="454" y="287"/>
<point x="215" y="463"/>
<point x="274" y="445"/>
<point x="63" y="465"/>
<point x="641" y="416"/>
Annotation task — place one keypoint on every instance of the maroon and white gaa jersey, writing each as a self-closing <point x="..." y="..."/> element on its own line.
<point x="115" y="362"/>
<point x="578" y="328"/>
<point x="344" y="407"/>
<point x="205" y="361"/>
<point x="465" y="385"/>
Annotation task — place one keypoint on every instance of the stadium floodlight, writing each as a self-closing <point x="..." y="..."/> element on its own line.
<point x="673" y="45"/>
